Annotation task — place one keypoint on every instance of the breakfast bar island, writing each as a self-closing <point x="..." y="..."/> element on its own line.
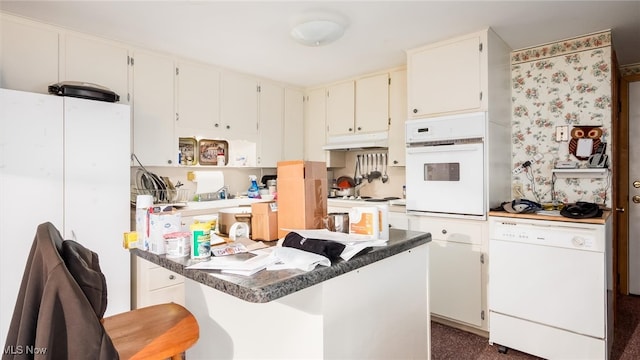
<point x="374" y="306"/>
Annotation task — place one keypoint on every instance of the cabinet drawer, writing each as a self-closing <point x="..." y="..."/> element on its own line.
<point x="160" y="277"/>
<point x="460" y="231"/>
<point x="165" y="295"/>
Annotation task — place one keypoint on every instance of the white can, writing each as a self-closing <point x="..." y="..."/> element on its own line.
<point x="220" y="160"/>
<point x="177" y="244"/>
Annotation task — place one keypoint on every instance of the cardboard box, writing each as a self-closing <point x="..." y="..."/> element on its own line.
<point x="302" y="195"/>
<point x="264" y="221"/>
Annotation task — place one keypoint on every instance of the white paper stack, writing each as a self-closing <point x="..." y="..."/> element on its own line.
<point x="235" y="264"/>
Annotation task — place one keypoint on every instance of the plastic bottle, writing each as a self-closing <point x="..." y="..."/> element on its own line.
<point x="253" y="192"/>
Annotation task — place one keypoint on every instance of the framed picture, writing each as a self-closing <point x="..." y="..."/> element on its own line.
<point x="213" y="152"/>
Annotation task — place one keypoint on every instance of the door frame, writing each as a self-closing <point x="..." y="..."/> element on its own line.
<point x="621" y="186"/>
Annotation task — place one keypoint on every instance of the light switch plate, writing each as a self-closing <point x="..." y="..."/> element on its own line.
<point x="562" y="133"/>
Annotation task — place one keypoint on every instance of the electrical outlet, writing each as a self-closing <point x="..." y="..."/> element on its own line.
<point x="517" y="170"/>
<point x="562" y="133"/>
<point x="517" y="190"/>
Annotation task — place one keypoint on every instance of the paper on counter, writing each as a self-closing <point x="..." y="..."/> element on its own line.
<point x="236" y="264"/>
<point x="353" y="249"/>
<point x="292" y="258"/>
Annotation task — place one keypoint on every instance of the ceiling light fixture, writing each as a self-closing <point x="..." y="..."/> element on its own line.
<point x="317" y="32"/>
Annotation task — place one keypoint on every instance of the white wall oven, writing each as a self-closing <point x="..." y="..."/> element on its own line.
<point x="445" y="165"/>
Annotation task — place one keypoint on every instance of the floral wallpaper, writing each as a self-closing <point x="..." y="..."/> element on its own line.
<point x="631" y="69"/>
<point x="567" y="83"/>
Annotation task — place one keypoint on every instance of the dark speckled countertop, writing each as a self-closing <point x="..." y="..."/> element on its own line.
<point x="266" y="286"/>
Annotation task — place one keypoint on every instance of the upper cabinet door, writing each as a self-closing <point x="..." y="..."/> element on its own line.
<point x="372" y="104"/>
<point x="97" y="62"/>
<point x="154" y="142"/>
<point x="29" y="56"/>
<point x="445" y="77"/>
<point x="198" y="100"/>
<point x="341" y="108"/>
<point x="293" y="141"/>
<point x="397" y="117"/>
<point x="314" y="125"/>
<point x="271" y="122"/>
<point x="239" y="107"/>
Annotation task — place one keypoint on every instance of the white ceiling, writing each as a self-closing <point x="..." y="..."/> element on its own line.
<point x="253" y="37"/>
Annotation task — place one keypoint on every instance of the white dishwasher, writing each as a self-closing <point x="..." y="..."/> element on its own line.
<point x="550" y="287"/>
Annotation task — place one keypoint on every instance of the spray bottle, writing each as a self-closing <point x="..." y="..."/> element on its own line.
<point x="253" y="192"/>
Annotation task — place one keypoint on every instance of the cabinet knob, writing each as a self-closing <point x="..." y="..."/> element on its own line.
<point x="395" y="162"/>
<point x="216" y="125"/>
<point x="169" y="162"/>
<point x="350" y="129"/>
<point x="228" y="127"/>
<point x="444" y="231"/>
<point x="415" y="111"/>
<point x="359" y="128"/>
<point x="172" y="277"/>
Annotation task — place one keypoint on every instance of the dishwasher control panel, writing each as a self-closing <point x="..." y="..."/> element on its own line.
<point x="574" y="237"/>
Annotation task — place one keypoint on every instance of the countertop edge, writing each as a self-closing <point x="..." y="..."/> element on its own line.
<point x="295" y="280"/>
<point x="598" y="220"/>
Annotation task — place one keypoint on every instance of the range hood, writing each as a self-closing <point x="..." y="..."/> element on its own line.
<point x="358" y="141"/>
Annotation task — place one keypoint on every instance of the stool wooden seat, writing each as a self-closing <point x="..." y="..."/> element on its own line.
<point x="155" y="332"/>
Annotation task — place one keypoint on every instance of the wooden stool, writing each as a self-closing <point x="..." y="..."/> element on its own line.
<point x="155" y="332"/>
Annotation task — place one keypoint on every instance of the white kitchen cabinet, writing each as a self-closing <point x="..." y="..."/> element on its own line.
<point x="238" y="107"/>
<point x="29" y="56"/>
<point x="271" y="117"/>
<point x="397" y="117"/>
<point x="340" y="108"/>
<point x="96" y="61"/>
<point x="315" y="130"/>
<point x="293" y="134"/>
<point x="398" y="220"/>
<point x="457" y="274"/>
<point x="197" y="100"/>
<point x="314" y="125"/>
<point x="358" y="106"/>
<point x="372" y="104"/>
<point x="457" y="75"/>
<point x="154" y="142"/>
<point x="64" y="161"/>
<point x="156" y="285"/>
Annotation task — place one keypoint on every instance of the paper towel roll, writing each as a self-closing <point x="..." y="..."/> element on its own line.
<point x="208" y="181"/>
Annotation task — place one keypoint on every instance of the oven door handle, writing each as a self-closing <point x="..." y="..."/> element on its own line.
<point x="443" y="148"/>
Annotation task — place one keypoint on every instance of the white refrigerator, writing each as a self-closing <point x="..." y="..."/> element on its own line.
<point x="66" y="161"/>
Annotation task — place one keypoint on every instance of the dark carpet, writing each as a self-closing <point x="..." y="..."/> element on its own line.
<point x="450" y="343"/>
